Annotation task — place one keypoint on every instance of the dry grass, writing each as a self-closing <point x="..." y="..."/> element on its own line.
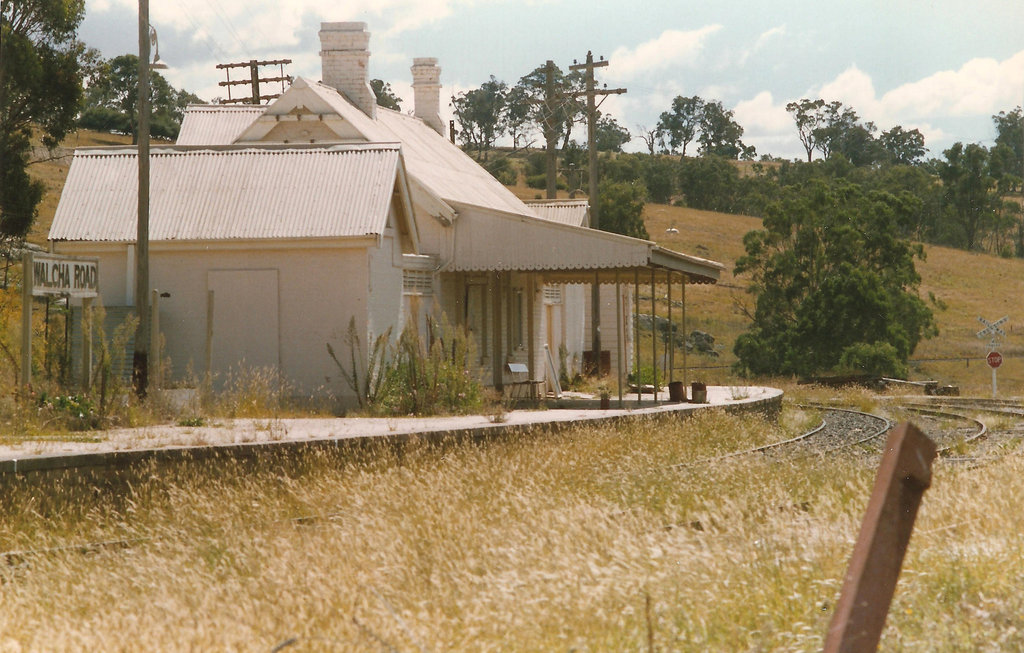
<point x="533" y="543"/>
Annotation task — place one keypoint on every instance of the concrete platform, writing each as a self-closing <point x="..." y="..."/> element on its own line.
<point x="243" y="437"/>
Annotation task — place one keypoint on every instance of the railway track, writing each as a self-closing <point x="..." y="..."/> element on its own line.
<point x="961" y="437"/>
<point x="840" y="428"/>
<point x="1004" y="434"/>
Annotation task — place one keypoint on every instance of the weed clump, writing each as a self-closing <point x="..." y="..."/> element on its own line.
<point x="415" y="375"/>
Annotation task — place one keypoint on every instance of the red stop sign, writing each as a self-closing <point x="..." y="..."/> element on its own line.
<point x="994" y="359"/>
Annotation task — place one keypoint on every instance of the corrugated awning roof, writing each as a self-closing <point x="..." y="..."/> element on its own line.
<point x="492" y="241"/>
<point x="233" y="192"/>
<point x="572" y="212"/>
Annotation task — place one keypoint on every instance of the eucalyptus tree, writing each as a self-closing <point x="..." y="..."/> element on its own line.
<point x="480" y="114"/>
<point x="834" y="284"/>
<point x="680" y="124"/>
<point x="40" y="88"/>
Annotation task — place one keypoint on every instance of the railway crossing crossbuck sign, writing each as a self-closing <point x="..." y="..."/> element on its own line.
<point x="995" y="333"/>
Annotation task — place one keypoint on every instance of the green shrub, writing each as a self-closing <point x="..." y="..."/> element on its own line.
<point x="541" y="181"/>
<point x="646" y="375"/>
<point x="503" y="170"/>
<point x="74" y="412"/>
<point x="536" y="163"/>
<point x="874" y="359"/>
<point x="429" y="377"/>
<point x="415" y="376"/>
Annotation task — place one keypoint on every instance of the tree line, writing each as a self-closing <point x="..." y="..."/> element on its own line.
<point x="52" y="83"/>
<point x="967" y="198"/>
<point x="519" y="112"/>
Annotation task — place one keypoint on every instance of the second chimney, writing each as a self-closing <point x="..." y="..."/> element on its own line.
<point x="426" y="86"/>
<point x="344" y="59"/>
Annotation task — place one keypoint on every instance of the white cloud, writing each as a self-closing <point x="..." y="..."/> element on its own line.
<point x="979" y="88"/>
<point x="769" y="35"/>
<point x="761" y="42"/>
<point x="671" y="49"/>
<point x="761" y="115"/>
<point x="854" y="88"/>
<point x="717" y="91"/>
<point x="239" y="26"/>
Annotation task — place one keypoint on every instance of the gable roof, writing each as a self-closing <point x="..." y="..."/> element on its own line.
<point x="235" y="192"/>
<point x="431" y="159"/>
<point x="216" y="124"/>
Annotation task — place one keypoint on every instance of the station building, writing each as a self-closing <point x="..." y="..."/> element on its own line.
<point x="322" y="208"/>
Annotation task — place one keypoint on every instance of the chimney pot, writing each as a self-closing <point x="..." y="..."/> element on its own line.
<point x="426" y="86"/>
<point x="345" y="58"/>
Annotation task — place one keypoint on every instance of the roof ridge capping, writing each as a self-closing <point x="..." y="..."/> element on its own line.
<point x="171" y="148"/>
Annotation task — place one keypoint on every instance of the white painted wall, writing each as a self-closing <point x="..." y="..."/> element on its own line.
<point x="321" y="286"/>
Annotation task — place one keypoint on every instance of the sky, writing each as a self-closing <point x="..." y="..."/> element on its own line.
<point x="941" y="66"/>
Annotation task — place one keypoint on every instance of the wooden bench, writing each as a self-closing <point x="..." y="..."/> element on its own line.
<point x="521" y="387"/>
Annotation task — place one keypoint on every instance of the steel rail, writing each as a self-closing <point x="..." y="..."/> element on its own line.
<point x="887" y="424"/>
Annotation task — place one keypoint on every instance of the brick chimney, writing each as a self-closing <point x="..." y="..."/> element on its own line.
<point x="344" y="57"/>
<point x="426" y="85"/>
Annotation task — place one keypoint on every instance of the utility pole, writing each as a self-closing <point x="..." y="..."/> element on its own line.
<point x="550" y="135"/>
<point x="140" y="355"/>
<point x="595" y="219"/>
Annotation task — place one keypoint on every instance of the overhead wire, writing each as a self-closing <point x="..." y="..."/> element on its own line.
<point x="208" y="41"/>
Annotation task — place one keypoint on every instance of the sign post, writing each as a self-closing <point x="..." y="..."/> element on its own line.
<point x="994" y="359"/>
<point x="46" y="274"/>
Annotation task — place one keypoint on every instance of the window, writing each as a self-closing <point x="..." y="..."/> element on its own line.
<point x="552" y="294"/>
<point x="476" y="316"/>
<point x="417" y="282"/>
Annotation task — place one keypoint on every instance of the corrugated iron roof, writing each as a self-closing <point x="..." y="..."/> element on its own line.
<point x="573" y="212"/>
<point x="492" y="241"/>
<point x="430" y="158"/>
<point x="219" y="124"/>
<point x="233" y="192"/>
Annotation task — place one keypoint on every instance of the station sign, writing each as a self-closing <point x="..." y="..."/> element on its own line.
<point x="53" y="274"/>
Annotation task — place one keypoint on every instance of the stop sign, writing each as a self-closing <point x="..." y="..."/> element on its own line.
<point x="994" y="359"/>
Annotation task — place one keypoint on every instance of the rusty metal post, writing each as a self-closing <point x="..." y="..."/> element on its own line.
<point x="903" y="476"/>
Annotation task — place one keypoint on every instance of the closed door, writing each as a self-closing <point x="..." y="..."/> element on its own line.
<point x="245" y="321"/>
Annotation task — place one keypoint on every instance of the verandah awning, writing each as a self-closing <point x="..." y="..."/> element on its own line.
<point x="488" y="241"/>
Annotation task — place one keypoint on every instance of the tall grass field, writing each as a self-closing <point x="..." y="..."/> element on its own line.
<point x="606" y="539"/>
<point x="628" y="538"/>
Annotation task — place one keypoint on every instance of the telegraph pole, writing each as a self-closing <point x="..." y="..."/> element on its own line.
<point x="140" y="355"/>
<point x="550" y="136"/>
<point x="254" y="81"/>
<point x="595" y="219"/>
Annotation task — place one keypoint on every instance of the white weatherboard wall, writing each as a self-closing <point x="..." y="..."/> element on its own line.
<point x="320" y="287"/>
<point x="610" y="323"/>
<point x="244" y="298"/>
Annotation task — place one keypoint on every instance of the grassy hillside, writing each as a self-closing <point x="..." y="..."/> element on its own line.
<point x="959" y="286"/>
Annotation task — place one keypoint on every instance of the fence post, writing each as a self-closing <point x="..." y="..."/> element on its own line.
<point x="903" y="476"/>
<point x="27" y="282"/>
